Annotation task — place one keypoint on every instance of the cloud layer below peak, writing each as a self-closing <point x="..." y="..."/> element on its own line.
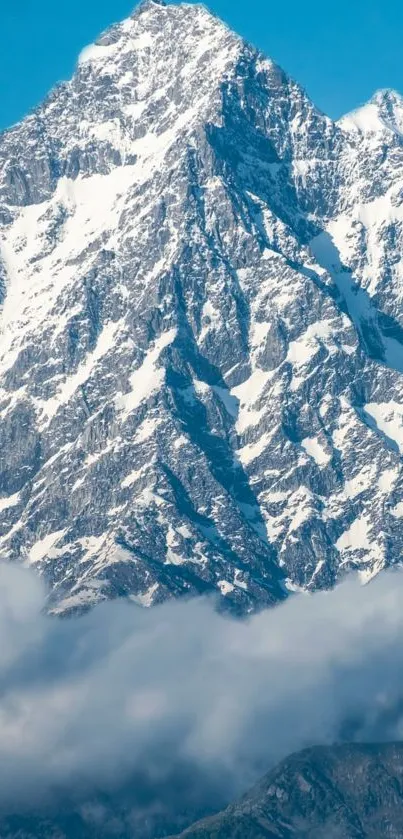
<point x="87" y="703"/>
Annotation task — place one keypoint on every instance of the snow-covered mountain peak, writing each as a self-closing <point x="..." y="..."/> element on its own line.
<point x="387" y="97"/>
<point x="200" y="332"/>
<point x="153" y="21"/>
<point x="383" y="113"/>
<point x="146" y="3"/>
<point x="146" y="81"/>
<point x="390" y="106"/>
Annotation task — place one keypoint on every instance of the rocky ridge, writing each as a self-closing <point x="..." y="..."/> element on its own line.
<point x="335" y="792"/>
<point x="348" y="791"/>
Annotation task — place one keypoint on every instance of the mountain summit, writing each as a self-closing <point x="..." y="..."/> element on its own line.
<point x="346" y="792"/>
<point x="383" y="112"/>
<point x="201" y="338"/>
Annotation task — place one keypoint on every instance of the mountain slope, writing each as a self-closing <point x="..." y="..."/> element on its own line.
<point x="200" y="346"/>
<point x="343" y="792"/>
<point x="334" y="792"/>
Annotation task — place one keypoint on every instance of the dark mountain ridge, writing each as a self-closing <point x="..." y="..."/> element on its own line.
<point x="349" y="791"/>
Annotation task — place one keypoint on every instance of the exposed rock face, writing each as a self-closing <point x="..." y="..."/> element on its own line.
<point x="201" y="337"/>
<point x="339" y="792"/>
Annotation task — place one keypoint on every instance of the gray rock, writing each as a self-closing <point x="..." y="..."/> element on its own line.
<point x="336" y="792"/>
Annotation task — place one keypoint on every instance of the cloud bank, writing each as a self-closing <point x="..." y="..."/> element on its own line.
<point x="89" y="702"/>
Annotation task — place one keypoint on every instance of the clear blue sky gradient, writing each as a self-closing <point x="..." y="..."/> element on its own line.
<point x="339" y="50"/>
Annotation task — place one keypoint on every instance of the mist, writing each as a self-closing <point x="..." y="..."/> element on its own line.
<point x="181" y="691"/>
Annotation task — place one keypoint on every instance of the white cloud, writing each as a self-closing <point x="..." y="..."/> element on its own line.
<point x="122" y="689"/>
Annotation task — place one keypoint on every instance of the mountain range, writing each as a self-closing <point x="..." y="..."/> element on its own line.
<point x="348" y="791"/>
<point x="201" y="330"/>
<point x="336" y="792"/>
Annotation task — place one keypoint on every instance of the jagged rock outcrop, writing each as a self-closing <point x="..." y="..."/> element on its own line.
<point x="337" y="792"/>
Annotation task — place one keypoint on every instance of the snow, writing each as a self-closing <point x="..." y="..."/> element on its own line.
<point x="41" y="549"/>
<point x="10" y="501"/>
<point x="357" y="537"/>
<point x="249" y="418"/>
<point x="225" y="587"/>
<point x="252" y="451"/>
<point x="250" y="390"/>
<point x="148" y="378"/>
<point x="146" y="429"/>
<point x="340" y="245"/>
<point x="92" y="545"/>
<point x="172" y="542"/>
<point x="315" y="449"/>
<point x="240" y="583"/>
<point x="325" y="406"/>
<point x="397" y="510"/>
<point x="135" y="109"/>
<point x="318" y="569"/>
<point x="120" y="213"/>
<point x="173" y="558"/>
<point x="149" y="498"/>
<point x="180" y="442"/>
<point x="292" y="587"/>
<point x="384" y="112"/>
<point x="32" y="295"/>
<point x="143" y="40"/>
<point x="273" y="497"/>
<point x="86" y="597"/>
<point x="247" y="395"/>
<point x="145" y="599"/>
<point x="130" y="40"/>
<point x="360" y="537"/>
<point x="126" y="79"/>
<point x="366" y="119"/>
<point x="131" y="478"/>
<point x="299" y="509"/>
<point x="361" y="482"/>
<point x="387" y="479"/>
<point x="229" y="401"/>
<point x="304" y="348"/>
<point x="201" y="388"/>
<point x="212" y="319"/>
<point x="259" y="332"/>
<point x="389" y="419"/>
<point x="96" y="52"/>
<point x="347" y="422"/>
<point x="105" y="343"/>
<point x="184" y="531"/>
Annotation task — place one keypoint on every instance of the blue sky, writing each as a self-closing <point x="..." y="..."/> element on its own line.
<point x="340" y="51"/>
